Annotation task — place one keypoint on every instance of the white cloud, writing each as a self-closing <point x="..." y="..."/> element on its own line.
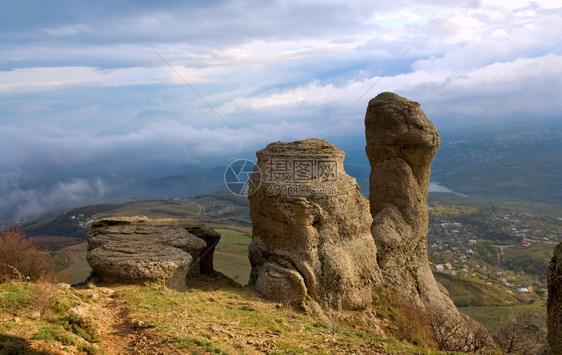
<point x="274" y="70"/>
<point x="44" y="79"/>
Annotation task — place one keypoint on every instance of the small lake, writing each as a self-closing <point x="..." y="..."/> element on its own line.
<point x="436" y="187"/>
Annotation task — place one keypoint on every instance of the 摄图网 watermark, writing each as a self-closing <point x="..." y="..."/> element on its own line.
<point x="283" y="176"/>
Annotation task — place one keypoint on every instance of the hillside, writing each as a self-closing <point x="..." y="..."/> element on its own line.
<point x="210" y="318"/>
<point x="476" y="283"/>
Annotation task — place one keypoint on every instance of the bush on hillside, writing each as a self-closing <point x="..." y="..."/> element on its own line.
<point x="21" y="259"/>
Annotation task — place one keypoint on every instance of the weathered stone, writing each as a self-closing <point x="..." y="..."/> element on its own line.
<point x="80" y="311"/>
<point x="35" y="315"/>
<point x="137" y="249"/>
<point x="554" y="301"/>
<point x="401" y="144"/>
<point x="311" y="225"/>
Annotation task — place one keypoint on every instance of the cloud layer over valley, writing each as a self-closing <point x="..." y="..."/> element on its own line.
<point x="83" y="89"/>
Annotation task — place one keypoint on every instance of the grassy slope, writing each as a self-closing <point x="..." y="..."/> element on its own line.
<point x="35" y="319"/>
<point x="466" y="292"/>
<point x="152" y="319"/>
<point x="231" y="255"/>
<point x="532" y="260"/>
<point x="231" y="259"/>
<point x="535" y="207"/>
<point x="80" y="269"/>
<point x="158" y="209"/>
<point x="487" y="304"/>
<point x="493" y="316"/>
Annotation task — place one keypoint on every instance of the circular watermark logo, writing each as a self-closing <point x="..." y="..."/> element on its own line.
<point x="237" y="177"/>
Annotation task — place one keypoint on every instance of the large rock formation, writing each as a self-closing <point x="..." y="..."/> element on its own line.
<point x="311" y="228"/>
<point x="138" y="249"/>
<point x="554" y="301"/>
<point x="401" y="144"/>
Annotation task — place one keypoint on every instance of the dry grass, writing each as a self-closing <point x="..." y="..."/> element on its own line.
<point x="408" y="322"/>
<point x="215" y="317"/>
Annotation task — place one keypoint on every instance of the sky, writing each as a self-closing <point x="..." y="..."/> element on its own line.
<point x="83" y="83"/>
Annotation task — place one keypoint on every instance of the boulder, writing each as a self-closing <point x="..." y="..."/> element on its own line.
<point x="554" y="301"/>
<point x="138" y="249"/>
<point x="311" y="228"/>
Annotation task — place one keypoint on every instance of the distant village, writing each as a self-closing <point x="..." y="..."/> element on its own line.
<point x="476" y="247"/>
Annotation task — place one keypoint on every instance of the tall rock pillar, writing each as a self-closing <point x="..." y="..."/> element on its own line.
<point x="311" y="228"/>
<point x="401" y="144"/>
<point x="554" y="301"/>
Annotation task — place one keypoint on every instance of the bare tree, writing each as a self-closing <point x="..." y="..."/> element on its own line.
<point x="457" y="334"/>
<point x="522" y="334"/>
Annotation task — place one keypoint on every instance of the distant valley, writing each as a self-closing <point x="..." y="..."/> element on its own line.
<point x="476" y="237"/>
<point x="518" y="167"/>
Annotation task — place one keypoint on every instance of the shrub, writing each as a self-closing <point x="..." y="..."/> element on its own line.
<point x="21" y="259"/>
<point x="54" y="334"/>
<point x="83" y="327"/>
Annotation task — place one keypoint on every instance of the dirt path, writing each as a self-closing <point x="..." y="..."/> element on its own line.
<point x="502" y="250"/>
<point x="111" y="315"/>
<point x="121" y="333"/>
<point x="201" y="208"/>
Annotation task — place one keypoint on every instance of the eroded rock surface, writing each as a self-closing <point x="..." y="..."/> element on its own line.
<point x="554" y="301"/>
<point x="311" y="228"/>
<point x="138" y="249"/>
<point x="401" y="144"/>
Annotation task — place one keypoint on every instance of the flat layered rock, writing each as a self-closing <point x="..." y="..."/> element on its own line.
<point x="138" y="249"/>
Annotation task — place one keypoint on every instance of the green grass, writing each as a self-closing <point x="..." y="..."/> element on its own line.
<point x="219" y="319"/>
<point x="449" y="211"/>
<point x="531" y="260"/>
<point x="13" y="296"/>
<point x="41" y="222"/>
<point x="231" y="255"/>
<point x="83" y="327"/>
<point x="516" y="204"/>
<point x="158" y="209"/>
<point x="233" y="242"/>
<point x="80" y="269"/>
<point x="490" y="305"/>
<point x="467" y="292"/>
<point x="54" y="325"/>
<point x="208" y="200"/>
<point x="51" y="334"/>
<point x="493" y="316"/>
